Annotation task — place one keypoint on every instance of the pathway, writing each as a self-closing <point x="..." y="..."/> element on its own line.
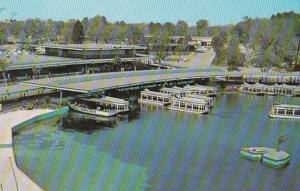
<point x="11" y="177"/>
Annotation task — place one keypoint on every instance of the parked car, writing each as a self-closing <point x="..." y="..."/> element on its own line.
<point x="202" y="49"/>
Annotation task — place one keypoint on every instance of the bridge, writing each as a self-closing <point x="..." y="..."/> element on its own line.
<point x="93" y="83"/>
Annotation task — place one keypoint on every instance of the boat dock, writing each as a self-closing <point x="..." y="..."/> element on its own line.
<point x="11" y="177"/>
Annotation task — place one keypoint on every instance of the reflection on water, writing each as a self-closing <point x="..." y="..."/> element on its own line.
<point x="153" y="148"/>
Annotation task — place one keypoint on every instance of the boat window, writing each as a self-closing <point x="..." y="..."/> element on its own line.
<point x="166" y="100"/>
<point x="289" y="112"/>
<point x="155" y="98"/>
<point x="160" y="99"/>
<point x="176" y="103"/>
<point x="121" y="107"/>
<point x="144" y="96"/>
<point x="182" y="104"/>
<point x="281" y="111"/>
<point x="189" y="105"/>
<point x="195" y="107"/>
<point x="297" y="112"/>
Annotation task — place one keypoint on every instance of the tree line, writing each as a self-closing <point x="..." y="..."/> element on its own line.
<point x="96" y="29"/>
<point x="268" y="41"/>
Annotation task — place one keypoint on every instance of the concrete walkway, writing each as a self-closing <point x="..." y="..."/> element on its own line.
<point x="11" y="177"/>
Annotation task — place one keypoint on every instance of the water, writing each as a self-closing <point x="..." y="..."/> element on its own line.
<point x="156" y="149"/>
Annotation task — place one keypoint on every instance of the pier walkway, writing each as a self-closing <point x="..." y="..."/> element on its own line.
<point x="11" y="177"/>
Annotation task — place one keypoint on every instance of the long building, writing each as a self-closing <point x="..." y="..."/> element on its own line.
<point x="90" y="50"/>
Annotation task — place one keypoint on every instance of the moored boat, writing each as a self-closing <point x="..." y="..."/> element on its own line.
<point x="256" y="89"/>
<point x="105" y="106"/>
<point x="285" y="111"/>
<point x="157" y="98"/>
<point x="173" y="91"/>
<point x="200" y="90"/>
<point x="191" y="105"/>
<point x="287" y="90"/>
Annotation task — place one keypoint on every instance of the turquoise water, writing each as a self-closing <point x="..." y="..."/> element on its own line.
<point x="137" y="11"/>
<point x="157" y="149"/>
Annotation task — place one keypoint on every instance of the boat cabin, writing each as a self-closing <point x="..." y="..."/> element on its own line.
<point x="200" y="90"/>
<point x="257" y="89"/>
<point x="209" y="100"/>
<point x="285" y="111"/>
<point x="189" y="105"/>
<point x="288" y="90"/>
<point x="158" y="98"/>
<point x="173" y="91"/>
<point x="109" y="102"/>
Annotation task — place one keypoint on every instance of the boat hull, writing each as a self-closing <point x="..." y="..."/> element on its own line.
<point x="251" y="156"/>
<point x="272" y="115"/>
<point x="276" y="164"/>
<point x="153" y="102"/>
<point x="189" y="111"/>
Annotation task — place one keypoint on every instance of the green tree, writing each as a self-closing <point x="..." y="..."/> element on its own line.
<point x="3" y="64"/>
<point x="107" y="31"/>
<point x="218" y="43"/>
<point x="92" y="31"/>
<point x="3" y="27"/>
<point x="201" y="27"/>
<point x="48" y="29"/>
<point x="266" y="59"/>
<point x="77" y="34"/>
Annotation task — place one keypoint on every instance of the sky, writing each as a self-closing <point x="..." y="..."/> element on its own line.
<point x="217" y="12"/>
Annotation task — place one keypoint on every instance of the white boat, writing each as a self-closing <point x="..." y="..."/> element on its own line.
<point x="105" y="106"/>
<point x="157" y="98"/>
<point x="287" y="90"/>
<point x="209" y="100"/>
<point x="189" y="105"/>
<point x="200" y="90"/>
<point x="256" y="89"/>
<point x="285" y="111"/>
<point x="173" y="91"/>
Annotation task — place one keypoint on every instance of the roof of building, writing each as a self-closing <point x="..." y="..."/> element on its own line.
<point x="91" y="46"/>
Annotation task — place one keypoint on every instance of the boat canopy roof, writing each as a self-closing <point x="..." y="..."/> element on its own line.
<point x="107" y="99"/>
<point x="199" y="87"/>
<point x="148" y="92"/>
<point x="286" y="106"/>
<point x="172" y="89"/>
